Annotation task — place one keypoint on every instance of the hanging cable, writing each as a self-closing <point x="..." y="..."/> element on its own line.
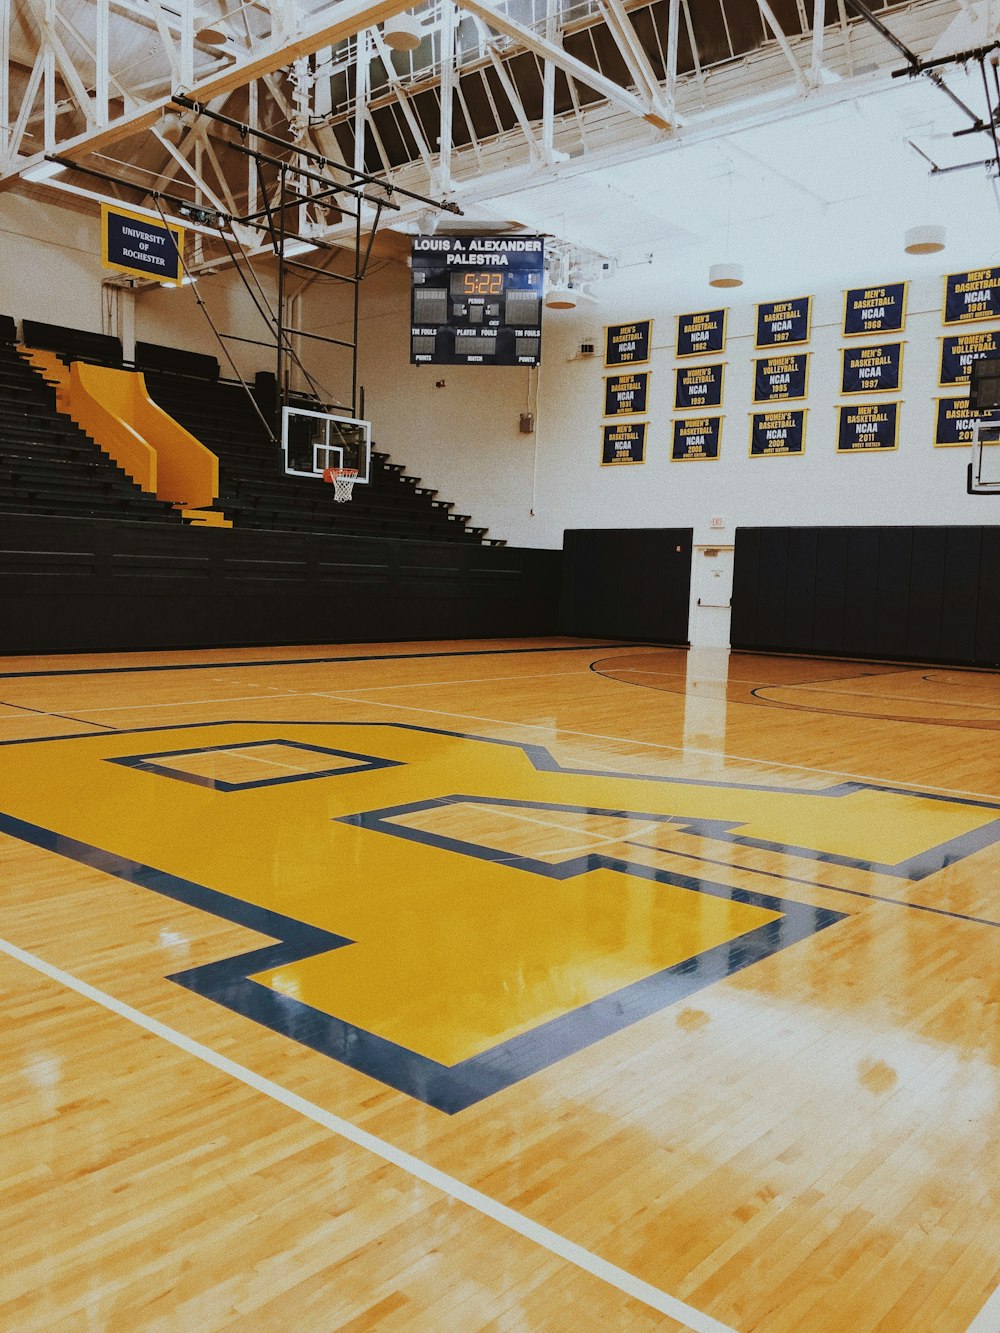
<point x="270" y="317"/>
<point x="204" y="310"/>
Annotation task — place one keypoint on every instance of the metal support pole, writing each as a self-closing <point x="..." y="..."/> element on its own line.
<point x="354" y="335"/>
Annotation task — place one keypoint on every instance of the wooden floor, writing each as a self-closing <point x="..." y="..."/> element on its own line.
<point x="513" y="985"/>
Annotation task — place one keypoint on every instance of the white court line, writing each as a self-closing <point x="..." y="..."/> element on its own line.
<point x="988" y="1318"/>
<point x="596" y="839"/>
<point x="455" y="1189"/>
<point x="472" y="680"/>
<point x="659" y="745"/>
<point x="197" y="703"/>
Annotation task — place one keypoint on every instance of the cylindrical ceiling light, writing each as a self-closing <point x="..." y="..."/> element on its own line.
<point x="725" y="275"/>
<point x="925" y="240"/>
<point x="402" y="33"/>
<point x="560" y="298"/>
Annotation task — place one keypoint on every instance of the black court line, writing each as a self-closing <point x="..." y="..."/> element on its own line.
<point x="312" y="661"/>
<point x="65" y="717"/>
<point x="815" y="884"/>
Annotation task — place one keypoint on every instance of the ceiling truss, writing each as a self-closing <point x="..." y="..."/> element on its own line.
<point x="533" y="87"/>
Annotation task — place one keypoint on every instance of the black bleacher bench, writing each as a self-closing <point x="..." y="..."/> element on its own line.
<point x="8" y="329"/>
<point x="77" y="344"/>
<point x="154" y="356"/>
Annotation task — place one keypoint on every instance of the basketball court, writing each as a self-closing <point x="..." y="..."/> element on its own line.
<point x="511" y="984"/>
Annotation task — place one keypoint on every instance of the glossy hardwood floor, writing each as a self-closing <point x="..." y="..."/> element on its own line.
<point x="513" y="985"/>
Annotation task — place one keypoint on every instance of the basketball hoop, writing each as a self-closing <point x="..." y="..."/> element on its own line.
<point x="343" y="479"/>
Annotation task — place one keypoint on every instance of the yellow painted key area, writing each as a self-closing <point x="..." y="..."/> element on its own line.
<point x="682" y="975"/>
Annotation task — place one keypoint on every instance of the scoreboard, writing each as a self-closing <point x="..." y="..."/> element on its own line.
<point x="476" y="300"/>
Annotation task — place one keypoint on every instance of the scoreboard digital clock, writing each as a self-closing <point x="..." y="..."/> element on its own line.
<point x="476" y="300"/>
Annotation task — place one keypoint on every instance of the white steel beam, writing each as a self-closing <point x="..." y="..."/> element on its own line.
<point x="361" y="72"/>
<point x="782" y="40"/>
<point x="513" y="97"/>
<point x="818" y="32"/>
<point x="4" y="79"/>
<point x="101" y="70"/>
<point x="673" y="37"/>
<point x="327" y="28"/>
<point x="525" y="37"/>
<point x="446" y="91"/>
<point x="620" y="26"/>
<point x="56" y="53"/>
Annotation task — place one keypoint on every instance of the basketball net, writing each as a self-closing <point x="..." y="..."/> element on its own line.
<point x="343" y="479"/>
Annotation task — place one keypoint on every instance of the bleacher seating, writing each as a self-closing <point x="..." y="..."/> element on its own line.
<point x="254" y="491"/>
<point x="48" y="465"/>
<point x="73" y="344"/>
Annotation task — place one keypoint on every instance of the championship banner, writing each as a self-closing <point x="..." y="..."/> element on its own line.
<point x="701" y="332"/>
<point x="699" y="386"/>
<point x="779" y="378"/>
<point x="783" y="323"/>
<point x="875" y="369"/>
<point x="779" y="434"/>
<point x="972" y="296"/>
<point x="959" y="350"/>
<point x="626" y="395"/>
<point x="696" y="439"/>
<point x="627" y="344"/>
<point x="133" y="243"/>
<point x="865" y="427"/>
<point x="624" y="442"/>
<point x="874" y="310"/>
<point x="956" y="423"/>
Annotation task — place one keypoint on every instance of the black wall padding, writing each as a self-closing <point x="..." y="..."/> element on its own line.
<point x="626" y="583"/>
<point x="928" y="594"/>
<point x="8" y="329"/>
<point x="83" y="584"/>
<point x="153" y="356"/>
<point x="100" y="347"/>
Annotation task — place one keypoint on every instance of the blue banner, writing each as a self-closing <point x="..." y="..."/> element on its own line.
<point x="779" y="378"/>
<point x="865" y="427"/>
<point x="783" y="323"/>
<point x="134" y="244"/>
<point x="780" y="434"/>
<point x="875" y="369"/>
<point x="971" y="296"/>
<point x="874" y="310"/>
<point x="956" y="422"/>
<point x="699" y="386"/>
<point x="626" y="395"/>
<point x="627" y="344"/>
<point x="959" y="350"/>
<point x="702" y="332"/>
<point x="624" y="442"/>
<point x="696" y="439"/>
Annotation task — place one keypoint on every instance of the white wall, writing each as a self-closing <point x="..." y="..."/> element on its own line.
<point x="50" y="264"/>
<point x="464" y="437"/>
